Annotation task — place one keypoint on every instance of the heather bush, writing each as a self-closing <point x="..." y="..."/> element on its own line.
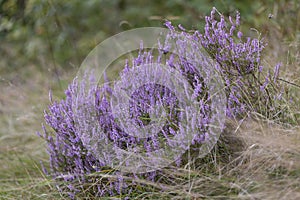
<point x="70" y="159"/>
<point x="248" y="87"/>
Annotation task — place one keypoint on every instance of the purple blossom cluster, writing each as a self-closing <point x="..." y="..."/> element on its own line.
<point x="238" y="63"/>
<point x="224" y="42"/>
<point x="71" y="160"/>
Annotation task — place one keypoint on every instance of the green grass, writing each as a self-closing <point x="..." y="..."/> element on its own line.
<point x="21" y="150"/>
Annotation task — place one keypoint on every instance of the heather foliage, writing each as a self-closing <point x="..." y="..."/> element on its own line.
<point x="248" y="88"/>
<point x="75" y="131"/>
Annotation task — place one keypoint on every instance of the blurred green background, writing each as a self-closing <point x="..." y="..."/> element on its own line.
<point x="63" y="31"/>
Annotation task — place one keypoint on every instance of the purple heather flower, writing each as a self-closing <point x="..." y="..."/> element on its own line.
<point x="240" y="34"/>
<point x="276" y="71"/>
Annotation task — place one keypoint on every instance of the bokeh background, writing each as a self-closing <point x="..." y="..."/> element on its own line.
<point x="43" y="42"/>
